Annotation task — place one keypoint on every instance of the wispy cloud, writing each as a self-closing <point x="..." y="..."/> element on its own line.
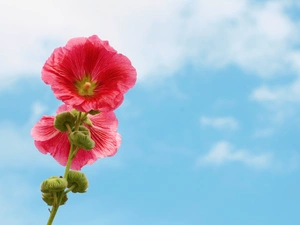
<point x="223" y="152"/>
<point x="279" y="94"/>
<point x="37" y="109"/>
<point x="220" y="122"/>
<point x="281" y="101"/>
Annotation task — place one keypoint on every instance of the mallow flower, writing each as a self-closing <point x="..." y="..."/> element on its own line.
<point x="88" y="74"/>
<point x="103" y="131"/>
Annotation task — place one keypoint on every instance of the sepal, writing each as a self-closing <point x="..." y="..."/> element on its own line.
<point x="84" y="130"/>
<point x="81" y="140"/>
<point x="94" y="112"/>
<point x="64" y="118"/>
<point x="49" y="198"/>
<point x="54" y="184"/>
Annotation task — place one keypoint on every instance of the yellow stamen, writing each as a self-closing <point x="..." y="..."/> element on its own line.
<point x="87" y="85"/>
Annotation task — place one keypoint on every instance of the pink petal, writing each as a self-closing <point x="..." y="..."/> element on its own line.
<point x="58" y="147"/>
<point x="105" y="120"/>
<point x="44" y="129"/>
<point x="106" y="142"/>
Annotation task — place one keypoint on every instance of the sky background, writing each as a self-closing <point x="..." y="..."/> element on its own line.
<point x="210" y="132"/>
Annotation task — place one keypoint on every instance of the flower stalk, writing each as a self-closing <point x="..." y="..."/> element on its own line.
<point x="85" y="124"/>
<point x="61" y="193"/>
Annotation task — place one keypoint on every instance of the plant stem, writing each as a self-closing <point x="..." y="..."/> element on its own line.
<point x="52" y="214"/>
<point x="61" y="194"/>
<point x="78" y="122"/>
<point x="69" y="161"/>
<point x="71" y="188"/>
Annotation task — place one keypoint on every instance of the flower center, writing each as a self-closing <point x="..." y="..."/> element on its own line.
<point x="85" y="86"/>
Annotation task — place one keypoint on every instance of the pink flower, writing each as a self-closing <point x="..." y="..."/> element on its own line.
<point x="88" y="74"/>
<point x="48" y="139"/>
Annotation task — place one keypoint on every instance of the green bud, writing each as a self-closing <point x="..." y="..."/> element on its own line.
<point x="94" y="112"/>
<point x="49" y="198"/>
<point x="54" y="184"/>
<point x="84" y="130"/>
<point x="81" y="140"/>
<point x="79" y="180"/>
<point x="64" y="118"/>
<point x="75" y="112"/>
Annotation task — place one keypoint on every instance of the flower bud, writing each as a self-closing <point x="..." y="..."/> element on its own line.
<point x="79" y="180"/>
<point x="62" y="119"/>
<point x="84" y="130"/>
<point x="81" y="140"/>
<point x="94" y="112"/>
<point x="54" y="184"/>
<point x="49" y="198"/>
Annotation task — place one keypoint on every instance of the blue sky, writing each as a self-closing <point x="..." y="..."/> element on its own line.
<point x="209" y="132"/>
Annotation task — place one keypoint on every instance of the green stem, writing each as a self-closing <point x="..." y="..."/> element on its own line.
<point x="69" y="161"/>
<point x="78" y="122"/>
<point x="69" y="128"/>
<point x="55" y="197"/>
<point x="61" y="194"/>
<point x="74" y="152"/>
<point x="52" y="215"/>
<point x="70" y="189"/>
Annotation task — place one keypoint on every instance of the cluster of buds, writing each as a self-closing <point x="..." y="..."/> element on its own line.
<point x="54" y="189"/>
<point x="79" y="135"/>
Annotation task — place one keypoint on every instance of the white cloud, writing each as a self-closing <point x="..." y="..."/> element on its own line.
<point x="158" y="36"/>
<point x="37" y="109"/>
<point x="220" y="122"/>
<point x="289" y="93"/>
<point x="254" y="36"/>
<point x="223" y="152"/>
<point x="281" y="101"/>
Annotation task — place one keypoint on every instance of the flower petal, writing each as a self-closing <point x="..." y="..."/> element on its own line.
<point x="58" y="147"/>
<point x="104" y="120"/>
<point x="44" y="129"/>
